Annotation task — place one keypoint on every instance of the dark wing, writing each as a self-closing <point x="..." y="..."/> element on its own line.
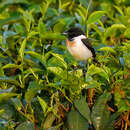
<point x="89" y="46"/>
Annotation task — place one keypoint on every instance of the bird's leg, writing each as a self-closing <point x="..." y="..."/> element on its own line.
<point x="85" y="68"/>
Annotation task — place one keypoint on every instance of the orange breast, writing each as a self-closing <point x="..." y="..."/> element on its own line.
<point x="70" y="43"/>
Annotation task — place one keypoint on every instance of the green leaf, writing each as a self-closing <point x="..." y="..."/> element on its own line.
<point x="56" y="70"/>
<point x="92" y="84"/>
<point x="49" y="1"/>
<point x="9" y="80"/>
<point x="8" y="34"/>
<point x="64" y="5"/>
<point x="83" y="10"/>
<point x="53" y="36"/>
<point x="84" y="3"/>
<point x="49" y="120"/>
<point x="100" y="113"/>
<point x="127" y="33"/>
<point x="32" y="91"/>
<point x="16" y="2"/>
<point x="80" y="13"/>
<point x="120" y="102"/>
<point x="83" y="108"/>
<point x="97" y="29"/>
<point x="43" y="105"/>
<point x="35" y="70"/>
<point x="42" y="28"/>
<point x="124" y="20"/>
<point x="92" y="70"/>
<point x="9" y="20"/>
<point x="7" y="96"/>
<point x="1" y="111"/>
<point x="78" y="73"/>
<point x="119" y="10"/>
<point x="37" y="56"/>
<point x="51" y="117"/>
<point x="31" y="34"/>
<point x="22" y="48"/>
<point x="8" y="111"/>
<point x="76" y="122"/>
<point x="59" y="26"/>
<point x="51" y="12"/>
<point x="6" y="90"/>
<point x="5" y="128"/>
<point x="17" y="103"/>
<point x="25" y="126"/>
<point x="28" y="19"/>
<point x="10" y="66"/>
<point x="111" y="30"/>
<point x="60" y="59"/>
<point x="127" y="11"/>
<point x="18" y="28"/>
<point x="110" y="122"/>
<point x="95" y="16"/>
<point x="43" y="8"/>
<point x="107" y="49"/>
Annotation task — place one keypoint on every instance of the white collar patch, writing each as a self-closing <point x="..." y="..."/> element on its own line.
<point x="79" y="37"/>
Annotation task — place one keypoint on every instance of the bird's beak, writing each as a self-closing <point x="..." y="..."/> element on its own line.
<point x="64" y="33"/>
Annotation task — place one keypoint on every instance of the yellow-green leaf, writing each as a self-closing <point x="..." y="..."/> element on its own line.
<point x="111" y="30"/>
<point x="6" y="96"/>
<point x="56" y="70"/>
<point x="53" y="36"/>
<point x="92" y="70"/>
<point x="22" y="48"/>
<point x="127" y="33"/>
<point x="107" y="49"/>
<point x="42" y="28"/>
<point x="61" y="59"/>
<point x="10" y="66"/>
<point x="37" y="56"/>
<point x="95" y="16"/>
<point x="43" y="104"/>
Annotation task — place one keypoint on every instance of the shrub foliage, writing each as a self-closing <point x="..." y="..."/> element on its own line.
<point x="40" y="89"/>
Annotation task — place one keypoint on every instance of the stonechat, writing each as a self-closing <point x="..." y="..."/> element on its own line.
<point x="79" y="46"/>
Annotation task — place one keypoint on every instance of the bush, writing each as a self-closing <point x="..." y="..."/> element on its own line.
<point x="39" y="87"/>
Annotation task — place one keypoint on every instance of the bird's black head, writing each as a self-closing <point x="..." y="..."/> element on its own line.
<point x="73" y="32"/>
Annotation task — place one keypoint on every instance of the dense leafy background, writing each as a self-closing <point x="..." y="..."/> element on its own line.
<point x="39" y="85"/>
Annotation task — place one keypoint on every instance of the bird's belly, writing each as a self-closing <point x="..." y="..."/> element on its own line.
<point x="80" y="52"/>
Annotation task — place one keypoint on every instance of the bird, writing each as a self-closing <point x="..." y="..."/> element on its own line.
<point x="79" y="46"/>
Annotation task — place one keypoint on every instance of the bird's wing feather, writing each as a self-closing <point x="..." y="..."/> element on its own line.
<point x="89" y="46"/>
